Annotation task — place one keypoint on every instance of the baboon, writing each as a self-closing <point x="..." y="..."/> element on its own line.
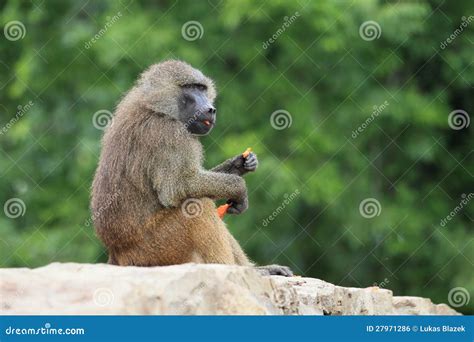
<point x="152" y="200"/>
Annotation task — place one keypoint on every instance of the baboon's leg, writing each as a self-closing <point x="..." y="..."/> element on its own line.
<point x="213" y="247"/>
<point x="210" y="242"/>
<point x="240" y="257"/>
<point x="112" y="260"/>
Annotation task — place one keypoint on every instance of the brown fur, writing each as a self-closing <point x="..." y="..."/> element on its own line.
<point x="148" y="166"/>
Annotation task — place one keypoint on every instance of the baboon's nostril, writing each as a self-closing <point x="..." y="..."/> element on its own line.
<point x="212" y="110"/>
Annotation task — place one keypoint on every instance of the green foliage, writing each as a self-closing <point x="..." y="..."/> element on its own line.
<point x="319" y="69"/>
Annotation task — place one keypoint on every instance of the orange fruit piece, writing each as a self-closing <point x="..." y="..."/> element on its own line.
<point x="221" y="210"/>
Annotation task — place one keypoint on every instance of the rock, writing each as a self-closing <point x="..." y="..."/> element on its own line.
<point x="190" y="289"/>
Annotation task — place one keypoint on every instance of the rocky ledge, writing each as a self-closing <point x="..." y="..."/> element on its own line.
<point x="191" y="289"/>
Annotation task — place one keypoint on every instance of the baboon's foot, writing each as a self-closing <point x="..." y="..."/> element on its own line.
<point x="275" y="270"/>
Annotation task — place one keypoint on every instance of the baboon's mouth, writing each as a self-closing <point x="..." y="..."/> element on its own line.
<point x="208" y="122"/>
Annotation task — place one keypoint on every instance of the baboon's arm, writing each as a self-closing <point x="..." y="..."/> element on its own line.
<point x="217" y="185"/>
<point x="238" y="165"/>
<point x="172" y="191"/>
<point x="232" y="166"/>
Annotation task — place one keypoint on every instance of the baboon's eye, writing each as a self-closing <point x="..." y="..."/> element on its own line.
<point x="201" y="87"/>
<point x="198" y="86"/>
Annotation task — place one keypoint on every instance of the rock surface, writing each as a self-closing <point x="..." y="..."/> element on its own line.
<point x="190" y="289"/>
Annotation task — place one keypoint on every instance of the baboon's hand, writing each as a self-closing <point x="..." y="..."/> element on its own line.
<point x="245" y="164"/>
<point x="251" y="162"/>
<point x="275" y="270"/>
<point x="238" y="206"/>
<point x="238" y="165"/>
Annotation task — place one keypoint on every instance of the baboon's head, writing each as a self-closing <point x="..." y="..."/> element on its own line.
<point x="176" y="89"/>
